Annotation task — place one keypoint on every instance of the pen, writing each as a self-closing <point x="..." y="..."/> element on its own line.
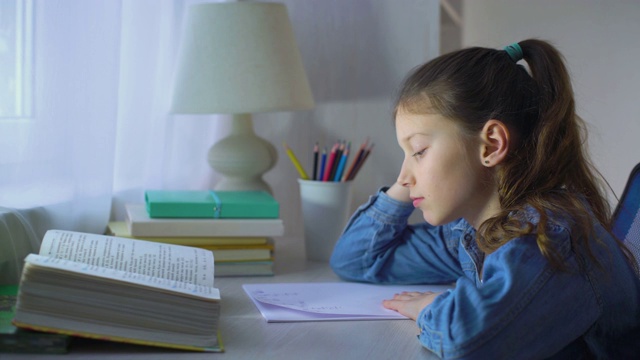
<point x="315" y="161"/>
<point x="296" y="163"/>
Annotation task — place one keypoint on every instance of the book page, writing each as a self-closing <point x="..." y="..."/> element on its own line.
<point x="328" y="301"/>
<point x="173" y="262"/>
<point x="84" y="270"/>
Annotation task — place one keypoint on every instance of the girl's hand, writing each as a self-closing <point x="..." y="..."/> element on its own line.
<point x="399" y="192"/>
<point x="411" y="303"/>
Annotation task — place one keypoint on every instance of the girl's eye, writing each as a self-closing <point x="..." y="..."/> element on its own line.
<point x="419" y="153"/>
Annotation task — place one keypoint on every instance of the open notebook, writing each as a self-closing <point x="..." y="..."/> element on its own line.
<point x="288" y="302"/>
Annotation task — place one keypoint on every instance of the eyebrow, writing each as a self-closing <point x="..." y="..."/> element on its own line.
<point x="408" y="138"/>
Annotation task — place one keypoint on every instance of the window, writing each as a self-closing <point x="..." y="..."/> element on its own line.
<point x="16" y="59"/>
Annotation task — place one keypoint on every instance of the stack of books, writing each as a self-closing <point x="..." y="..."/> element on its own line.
<point x="237" y="226"/>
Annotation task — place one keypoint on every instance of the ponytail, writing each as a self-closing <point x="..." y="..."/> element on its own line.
<point x="561" y="176"/>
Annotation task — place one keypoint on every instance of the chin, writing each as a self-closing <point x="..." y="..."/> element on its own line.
<point x="436" y="219"/>
<point x="432" y="220"/>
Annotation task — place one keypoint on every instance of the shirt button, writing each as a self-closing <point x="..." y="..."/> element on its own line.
<point x="467" y="237"/>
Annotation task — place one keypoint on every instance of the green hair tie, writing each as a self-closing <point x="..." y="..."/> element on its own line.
<point x="515" y="52"/>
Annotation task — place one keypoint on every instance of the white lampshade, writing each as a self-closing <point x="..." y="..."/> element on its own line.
<point x="240" y="58"/>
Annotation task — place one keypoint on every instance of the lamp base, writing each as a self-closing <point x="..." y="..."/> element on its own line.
<point x="242" y="157"/>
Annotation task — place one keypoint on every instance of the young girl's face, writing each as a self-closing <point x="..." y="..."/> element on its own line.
<point x="442" y="170"/>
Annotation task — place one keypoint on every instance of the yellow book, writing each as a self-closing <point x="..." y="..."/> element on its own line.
<point x="120" y="229"/>
<point x="244" y="268"/>
<point x="221" y="253"/>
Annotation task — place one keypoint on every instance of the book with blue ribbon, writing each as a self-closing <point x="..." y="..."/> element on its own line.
<point x="211" y="204"/>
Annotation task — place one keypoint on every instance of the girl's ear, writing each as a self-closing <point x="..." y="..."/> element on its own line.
<point x="495" y="143"/>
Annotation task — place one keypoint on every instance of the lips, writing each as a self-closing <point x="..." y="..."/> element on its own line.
<point x="417" y="201"/>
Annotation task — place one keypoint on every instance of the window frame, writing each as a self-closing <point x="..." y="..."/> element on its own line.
<point x="18" y="45"/>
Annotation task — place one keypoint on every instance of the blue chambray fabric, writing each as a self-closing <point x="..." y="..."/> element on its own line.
<point x="506" y="305"/>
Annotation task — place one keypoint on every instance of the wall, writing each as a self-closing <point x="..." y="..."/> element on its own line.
<point x="356" y="54"/>
<point x="600" y="42"/>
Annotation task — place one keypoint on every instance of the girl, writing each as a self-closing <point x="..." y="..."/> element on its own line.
<point x="514" y="216"/>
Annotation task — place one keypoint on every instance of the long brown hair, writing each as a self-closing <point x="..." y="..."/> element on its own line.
<point x="547" y="168"/>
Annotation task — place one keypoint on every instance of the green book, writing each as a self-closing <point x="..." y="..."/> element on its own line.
<point x="211" y="204"/>
<point x="15" y="340"/>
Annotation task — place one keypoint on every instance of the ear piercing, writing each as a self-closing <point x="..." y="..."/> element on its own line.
<point x="486" y="161"/>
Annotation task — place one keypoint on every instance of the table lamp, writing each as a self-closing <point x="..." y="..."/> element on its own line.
<point x="239" y="58"/>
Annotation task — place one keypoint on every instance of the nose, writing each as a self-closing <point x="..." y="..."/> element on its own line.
<point x="405" y="178"/>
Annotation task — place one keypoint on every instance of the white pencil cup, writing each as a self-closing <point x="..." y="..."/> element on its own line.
<point x="325" y="211"/>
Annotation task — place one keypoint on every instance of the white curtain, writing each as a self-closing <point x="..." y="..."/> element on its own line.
<point x="155" y="149"/>
<point x="101" y="132"/>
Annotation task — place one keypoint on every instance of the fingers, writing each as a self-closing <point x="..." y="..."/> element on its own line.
<point x="398" y="299"/>
<point x="408" y="295"/>
<point x="395" y="305"/>
<point x="390" y="304"/>
<point x="410" y="303"/>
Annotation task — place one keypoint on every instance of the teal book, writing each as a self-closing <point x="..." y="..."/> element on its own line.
<point x="15" y="340"/>
<point x="211" y="204"/>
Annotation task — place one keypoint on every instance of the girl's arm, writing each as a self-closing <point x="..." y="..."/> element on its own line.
<point x="522" y="309"/>
<point x="378" y="245"/>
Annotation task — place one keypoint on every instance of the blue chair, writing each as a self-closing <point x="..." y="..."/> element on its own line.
<point x="626" y="217"/>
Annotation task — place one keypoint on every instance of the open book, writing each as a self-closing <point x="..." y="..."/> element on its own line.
<point x="120" y="289"/>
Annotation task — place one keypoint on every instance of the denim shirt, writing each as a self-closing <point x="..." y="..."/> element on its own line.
<point x="507" y="305"/>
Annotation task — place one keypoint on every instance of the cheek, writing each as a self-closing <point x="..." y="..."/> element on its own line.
<point x="449" y="181"/>
<point x="437" y="190"/>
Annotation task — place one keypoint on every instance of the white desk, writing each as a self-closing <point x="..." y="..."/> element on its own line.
<point x="246" y="335"/>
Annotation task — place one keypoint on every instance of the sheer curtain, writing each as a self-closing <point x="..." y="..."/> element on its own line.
<point x="155" y="149"/>
<point x="100" y="132"/>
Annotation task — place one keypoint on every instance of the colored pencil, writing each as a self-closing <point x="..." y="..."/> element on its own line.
<point x="315" y="161"/>
<point x="364" y="158"/>
<point x="356" y="160"/>
<point x="336" y="162"/>
<point x="330" y="161"/>
<point x="323" y="163"/>
<point x="296" y="163"/>
<point x="343" y="162"/>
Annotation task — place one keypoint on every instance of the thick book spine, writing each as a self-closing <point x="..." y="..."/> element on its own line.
<point x="140" y="224"/>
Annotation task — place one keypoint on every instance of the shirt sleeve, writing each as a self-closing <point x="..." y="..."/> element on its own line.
<point x="511" y="314"/>
<point x="378" y="245"/>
